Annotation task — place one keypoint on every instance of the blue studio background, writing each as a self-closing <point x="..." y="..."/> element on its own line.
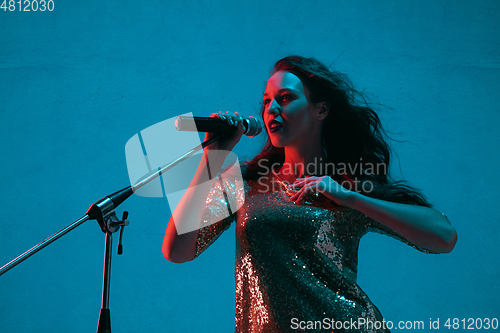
<point x="77" y="82"/>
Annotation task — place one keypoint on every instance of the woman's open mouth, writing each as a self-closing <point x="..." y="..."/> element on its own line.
<point x="274" y="126"/>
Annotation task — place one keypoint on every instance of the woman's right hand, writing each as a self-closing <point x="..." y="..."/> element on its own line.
<point x="228" y="141"/>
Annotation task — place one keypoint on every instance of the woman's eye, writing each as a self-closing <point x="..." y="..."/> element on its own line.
<point x="285" y="97"/>
<point x="266" y="101"/>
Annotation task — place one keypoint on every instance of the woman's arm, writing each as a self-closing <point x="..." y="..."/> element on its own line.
<point x="422" y="226"/>
<point x="177" y="247"/>
<point x="180" y="248"/>
<point x="425" y="227"/>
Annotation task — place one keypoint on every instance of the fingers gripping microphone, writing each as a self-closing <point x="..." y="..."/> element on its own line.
<point x="252" y="126"/>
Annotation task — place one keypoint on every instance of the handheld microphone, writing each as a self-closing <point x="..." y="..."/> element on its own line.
<point x="252" y="126"/>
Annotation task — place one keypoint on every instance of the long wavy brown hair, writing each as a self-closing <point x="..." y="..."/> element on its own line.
<point x="353" y="137"/>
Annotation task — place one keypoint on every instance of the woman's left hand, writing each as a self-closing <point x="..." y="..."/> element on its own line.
<point x="325" y="185"/>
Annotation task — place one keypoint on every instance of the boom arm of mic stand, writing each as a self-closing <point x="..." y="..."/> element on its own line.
<point x="102" y="208"/>
<point x="43" y="244"/>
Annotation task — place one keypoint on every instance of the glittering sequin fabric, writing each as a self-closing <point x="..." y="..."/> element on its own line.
<point x="295" y="263"/>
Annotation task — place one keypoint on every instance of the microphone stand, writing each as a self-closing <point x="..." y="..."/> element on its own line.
<point x="104" y="212"/>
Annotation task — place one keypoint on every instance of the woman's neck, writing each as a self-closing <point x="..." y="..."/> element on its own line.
<point x="302" y="161"/>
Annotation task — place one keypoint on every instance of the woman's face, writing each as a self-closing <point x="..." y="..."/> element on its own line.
<point x="289" y="116"/>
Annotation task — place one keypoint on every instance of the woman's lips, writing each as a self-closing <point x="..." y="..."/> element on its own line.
<point x="274" y="126"/>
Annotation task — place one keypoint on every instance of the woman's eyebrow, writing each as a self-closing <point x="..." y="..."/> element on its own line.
<point x="282" y="90"/>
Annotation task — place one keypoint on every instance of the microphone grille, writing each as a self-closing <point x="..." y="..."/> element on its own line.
<point x="254" y="126"/>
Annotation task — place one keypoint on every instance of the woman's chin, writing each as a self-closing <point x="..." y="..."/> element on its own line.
<point x="277" y="142"/>
<point x="277" y="138"/>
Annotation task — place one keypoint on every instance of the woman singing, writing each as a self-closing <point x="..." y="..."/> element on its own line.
<point x="320" y="183"/>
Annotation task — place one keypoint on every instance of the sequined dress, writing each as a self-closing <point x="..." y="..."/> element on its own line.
<point x="296" y="264"/>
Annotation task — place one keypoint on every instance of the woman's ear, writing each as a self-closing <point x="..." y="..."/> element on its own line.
<point x="323" y="110"/>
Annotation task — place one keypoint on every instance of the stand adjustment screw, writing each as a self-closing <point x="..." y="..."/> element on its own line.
<point x="123" y="223"/>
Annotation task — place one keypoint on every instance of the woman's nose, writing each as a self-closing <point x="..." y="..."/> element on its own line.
<point x="274" y="108"/>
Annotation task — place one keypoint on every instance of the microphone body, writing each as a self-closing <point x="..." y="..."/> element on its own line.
<point x="252" y="126"/>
